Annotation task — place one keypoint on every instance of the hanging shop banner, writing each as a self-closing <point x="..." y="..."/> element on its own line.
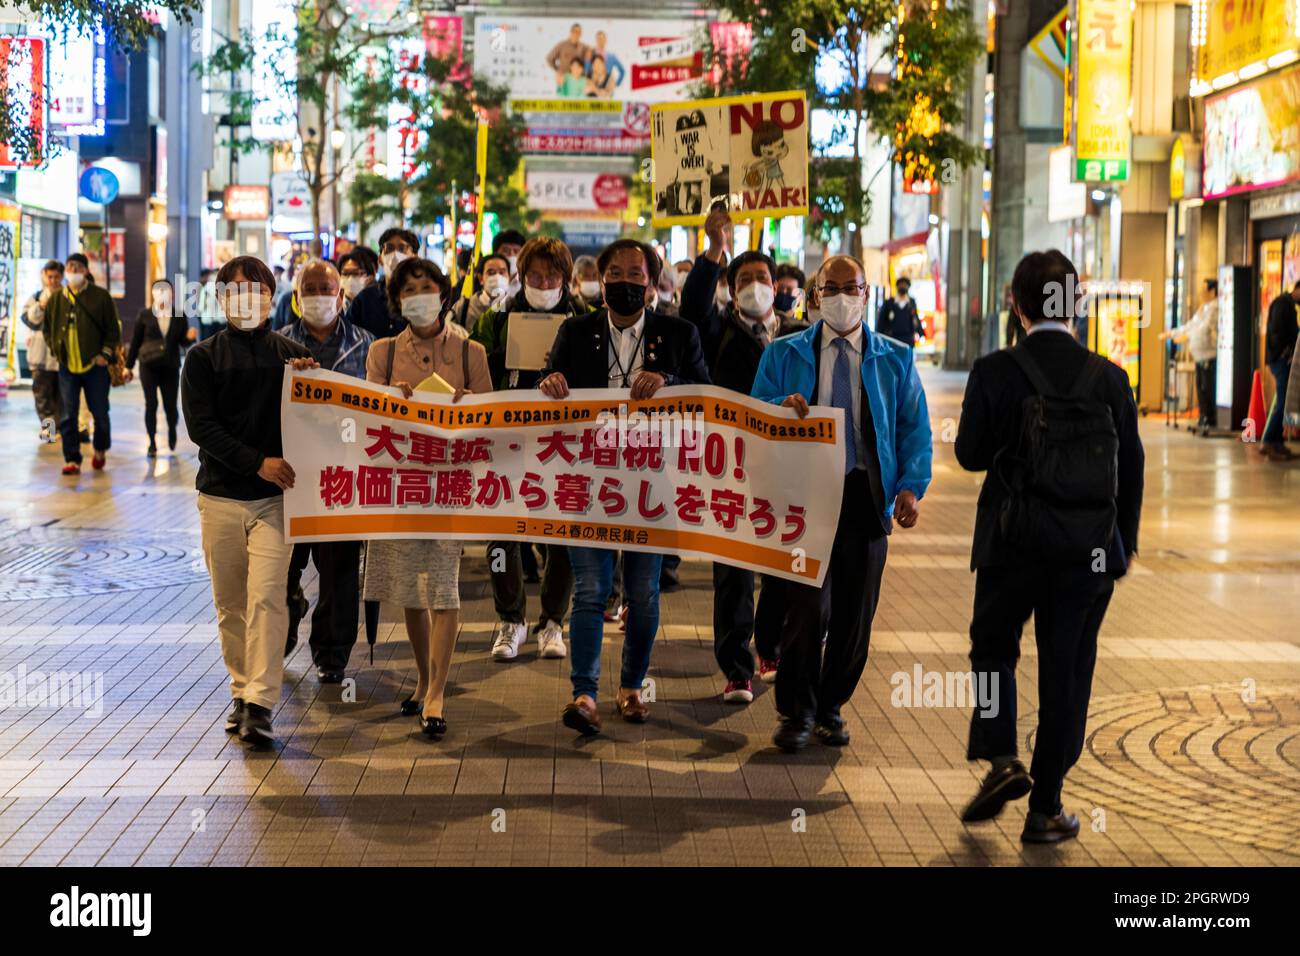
<point x="1116" y="322"/>
<point x="1240" y="39"/>
<point x="1103" y="47"/>
<point x="22" y="81"/>
<point x="10" y="220"/>
<point x="587" y="127"/>
<point x="590" y="57"/>
<point x="290" y="201"/>
<point x="750" y="152"/>
<point x="1252" y="136"/>
<point x="273" y="25"/>
<point x="242" y="203"/>
<point x="78" y="83"/>
<point x="696" y="470"/>
<point x="441" y="39"/>
<point x="576" y="191"/>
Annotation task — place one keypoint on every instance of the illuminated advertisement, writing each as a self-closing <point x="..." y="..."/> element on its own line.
<point x="78" y="83"/>
<point x="1102" y="137"/>
<point x="1234" y="41"/>
<point x="22" y="74"/>
<point x="1115" y="325"/>
<point x="1252" y="136"/>
<point x="1223" y="381"/>
<point x="274" y="27"/>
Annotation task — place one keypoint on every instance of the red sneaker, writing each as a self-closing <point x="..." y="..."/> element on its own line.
<point x="738" y="692"/>
<point x="71" y="468"/>
<point x="767" y="671"/>
<point x="97" y="461"/>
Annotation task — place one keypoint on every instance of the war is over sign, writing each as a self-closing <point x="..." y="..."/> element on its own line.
<point x="750" y="152"/>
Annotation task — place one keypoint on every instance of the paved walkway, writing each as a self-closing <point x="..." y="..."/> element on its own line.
<point x="1193" y="754"/>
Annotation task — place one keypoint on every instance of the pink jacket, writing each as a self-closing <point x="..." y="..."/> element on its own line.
<point x="415" y="359"/>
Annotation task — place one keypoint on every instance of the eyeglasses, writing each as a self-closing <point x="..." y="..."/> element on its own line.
<point x="830" y="288"/>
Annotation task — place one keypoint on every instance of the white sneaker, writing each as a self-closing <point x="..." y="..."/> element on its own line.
<point x="550" y="641"/>
<point x="509" y="637"/>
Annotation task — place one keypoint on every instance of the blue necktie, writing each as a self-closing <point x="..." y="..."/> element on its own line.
<point x="842" y="397"/>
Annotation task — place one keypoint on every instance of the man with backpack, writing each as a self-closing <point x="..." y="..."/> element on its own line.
<point x="1055" y="427"/>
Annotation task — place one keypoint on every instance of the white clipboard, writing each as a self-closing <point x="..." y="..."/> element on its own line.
<point x="529" y="337"/>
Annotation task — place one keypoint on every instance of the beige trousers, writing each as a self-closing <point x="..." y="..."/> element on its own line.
<point x="248" y="561"/>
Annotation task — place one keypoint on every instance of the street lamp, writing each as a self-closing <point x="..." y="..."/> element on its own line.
<point x="337" y="138"/>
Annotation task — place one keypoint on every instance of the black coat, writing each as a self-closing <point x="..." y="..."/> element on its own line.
<point x="230" y="394"/>
<point x="990" y="421"/>
<point x="147" y="329"/>
<point x="899" y="322"/>
<point x="369" y="310"/>
<point x="1280" y="333"/>
<point x="670" y="346"/>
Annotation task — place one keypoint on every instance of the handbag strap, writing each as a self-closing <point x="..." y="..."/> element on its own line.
<point x="464" y="362"/>
<point x="392" y="351"/>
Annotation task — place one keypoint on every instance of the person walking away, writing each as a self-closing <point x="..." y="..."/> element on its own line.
<point x="734" y="339"/>
<point x="338" y="346"/>
<point x="839" y="362"/>
<point x="642" y="352"/>
<point x="230" y="397"/>
<point x="1279" y="350"/>
<point x="1055" y="427"/>
<point x="1201" y="336"/>
<point x="422" y="575"/>
<point x="156" y="343"/>
<point x="898" y="317"/>
<point x="41" y="360"/>
<point x="83" y="331"/>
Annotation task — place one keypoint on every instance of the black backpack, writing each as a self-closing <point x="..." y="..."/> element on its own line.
<point x="1063" y="475"/>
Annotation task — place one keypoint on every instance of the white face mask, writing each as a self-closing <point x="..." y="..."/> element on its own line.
<point x="247" y="310"/>
<point x="422" y="310"/>
<point x="319" y="311"/>
<point x="76" y="279"/>
<point x="495" y="284"/>
<point x="542" y="299"/>
<point x="755" y="300"/>
<point x="589" y="290"/>
<point x="513" y="260"/>
<point x="722" y="297"/>
<point x="391" y="259"/>
<point x="352" y="285"/>
<point x="843" y="313"/>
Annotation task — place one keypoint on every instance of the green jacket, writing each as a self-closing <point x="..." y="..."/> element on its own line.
<point x="490" y="331"/>
<point x="99" y="330"/>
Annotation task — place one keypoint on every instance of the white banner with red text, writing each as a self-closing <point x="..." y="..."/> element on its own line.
<point x="696" y="470"/>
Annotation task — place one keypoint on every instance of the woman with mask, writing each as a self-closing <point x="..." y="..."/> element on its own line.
<point x="420" y="575"/>
<point x="156" y="343"/>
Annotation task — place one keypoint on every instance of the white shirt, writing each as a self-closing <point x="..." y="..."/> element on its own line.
<point x="625" y="352"/>
<point x="826" y="376"/>
<point x="1202" y="333"/>
<point x="1047" y="325"/>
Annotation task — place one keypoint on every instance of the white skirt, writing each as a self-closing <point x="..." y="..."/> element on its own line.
<point x="414" y="573"/>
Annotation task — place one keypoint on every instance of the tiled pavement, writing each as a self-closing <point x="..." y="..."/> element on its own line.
<point x="1193" y="755"/>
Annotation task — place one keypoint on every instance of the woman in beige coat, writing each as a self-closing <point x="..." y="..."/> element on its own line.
<point x="423" y="575"/>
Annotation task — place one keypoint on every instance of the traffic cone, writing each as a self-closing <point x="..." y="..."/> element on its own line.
<point x="1256" y="414"/>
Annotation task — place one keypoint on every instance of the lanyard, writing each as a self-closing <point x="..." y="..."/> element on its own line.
<point x="618" y="361"/>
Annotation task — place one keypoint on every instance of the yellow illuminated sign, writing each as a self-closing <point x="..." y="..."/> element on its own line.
<point x="1240" y="39"/>
<point x="1103" y="50"/>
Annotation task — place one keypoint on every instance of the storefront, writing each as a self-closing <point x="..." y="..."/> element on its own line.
<point x="916" y="258"/>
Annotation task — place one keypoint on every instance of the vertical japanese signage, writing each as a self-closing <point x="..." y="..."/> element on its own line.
<point x="10" y="217"/>
<point x="1102" y="135"/>
<point x="274" y="27"/>
<point x="442" y="39"/>
<point x="78" y="83"/>
<point x="22" y="80"/>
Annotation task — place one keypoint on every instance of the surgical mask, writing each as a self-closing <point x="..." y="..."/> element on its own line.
<point x="391" y="259"/>
<point x="589" y="290"/>
<point x="755" y="299"/>
<point x="513" y="260"/>
<point x="76" y="279"/>
<point x="247" y="310"/>
<point x="625" y="298"/>
<point x="319" y="311"/>
<point x="784" y="301"/>
<point x="842" y="312"/>
<point x="542" y="299"/>
<point x="679" y="279"/>
<point x="352" y="285"/>
<point x="495" y="284"/>
<point x="422" y="310"/>
<point x="722" y="297"/>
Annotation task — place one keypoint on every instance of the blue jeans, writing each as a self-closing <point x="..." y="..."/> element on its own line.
<point x="593" y="576"/>
<point x="94" y="382"/>
<point x="1281" y="375"/>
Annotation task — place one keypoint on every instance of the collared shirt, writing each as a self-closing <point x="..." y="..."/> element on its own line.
<point x="826" y="376"/>
<point x="625" y="352"/>
<point x="1048" y="325"/>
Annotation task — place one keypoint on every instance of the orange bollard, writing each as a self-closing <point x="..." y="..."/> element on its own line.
<point x="1256" y="414"/>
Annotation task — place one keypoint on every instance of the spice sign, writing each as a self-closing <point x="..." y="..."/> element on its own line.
<point x="696" y="470"/>
<point x="1102" y="135"/>
<point x="750" y="152"/>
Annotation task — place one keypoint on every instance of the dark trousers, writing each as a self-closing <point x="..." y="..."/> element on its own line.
<point x="1205" y="375"/>
<point x="1281" y="376"/>
<point x="334" y="622"/>
<point x="812" y="684"/>
<point x="45" y="390"/>
<point x="508" y="592"/>
<point x="94" y="382"/>
<point x="1068" y="604"/>
<point x="159" y="377"/>
<point x="735" y="619"/>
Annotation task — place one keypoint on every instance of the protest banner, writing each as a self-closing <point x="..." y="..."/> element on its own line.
<point x="750" y="152"/>
<point x="696" y="470"/>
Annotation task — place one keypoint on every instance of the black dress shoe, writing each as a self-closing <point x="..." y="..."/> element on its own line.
<point x="792" y="735"/>
<point x="1010" y="782"/>
<point x="329" y="675"/>
<point x="235" y="716"/>
<point x="433" y="727"/>
<point x="153" y="450"/>
<point x="171" y="437"/>
<point x="832" y="732"/>
<point x="1040" y="828"/>
<point x="410" y="707"/>
<point x="255" y="726"/>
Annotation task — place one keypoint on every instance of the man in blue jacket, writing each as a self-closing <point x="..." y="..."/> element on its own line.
<point x="840" y="363"/>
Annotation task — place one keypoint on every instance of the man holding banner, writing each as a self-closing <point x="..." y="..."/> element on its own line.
<point x="622" y="346"/>
<point x="840" y="363"/>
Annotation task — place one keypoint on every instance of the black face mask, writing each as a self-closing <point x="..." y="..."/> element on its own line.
<point x="625" y="298"/>
<point x="783" y="302"/>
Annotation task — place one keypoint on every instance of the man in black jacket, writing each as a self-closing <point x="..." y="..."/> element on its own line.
<point x="1067" y="598"/>
<point x="622" y="346"/>
<point x="230" y="395"/>
<point x="1279" y="350"/>
<point x="733" y="340"/>
<point x="898" y="317"/>
<point x="369" y="308"/>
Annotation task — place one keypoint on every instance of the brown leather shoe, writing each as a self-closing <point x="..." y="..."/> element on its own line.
<point x="581" y="716"/>
<point x="631" y="709"/>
